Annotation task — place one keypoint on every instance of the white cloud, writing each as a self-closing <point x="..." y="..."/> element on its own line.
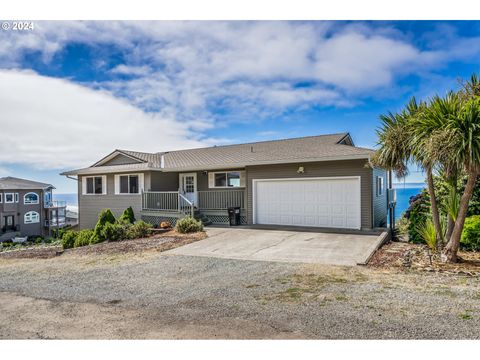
<point x="131" y="70"/>
<point x="187" y="68"/>
<point x="48" y="122"/>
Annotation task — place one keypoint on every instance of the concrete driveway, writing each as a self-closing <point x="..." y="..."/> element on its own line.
<point x="284" y="246"/>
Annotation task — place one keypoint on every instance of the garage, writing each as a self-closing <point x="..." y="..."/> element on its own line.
<point x="317" y="202"/>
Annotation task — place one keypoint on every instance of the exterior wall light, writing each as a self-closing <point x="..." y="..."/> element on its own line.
<point x="300" y="170"/>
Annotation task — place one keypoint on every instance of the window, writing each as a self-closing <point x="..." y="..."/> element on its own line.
<point x="32" y="217"/>
<point x="9" y="198"/>
<point x="94" y="185"/>
<point x="30" y="198"/>
<point x="380" y="186"/>
<point x="128" y="184"/>
<point x="1" y="198"/>
<point x="226" y="179"/>
<point x="16" y="197"/>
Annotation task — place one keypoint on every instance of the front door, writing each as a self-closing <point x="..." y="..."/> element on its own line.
<point x="188" y="186"/>
<point x="9" y="221"/>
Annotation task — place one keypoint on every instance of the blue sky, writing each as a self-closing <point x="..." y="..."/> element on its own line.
<point x="71" y="92"/>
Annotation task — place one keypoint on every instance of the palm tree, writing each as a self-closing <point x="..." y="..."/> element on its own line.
<point x="465" y="142"/>
<point x="432" y="149"/>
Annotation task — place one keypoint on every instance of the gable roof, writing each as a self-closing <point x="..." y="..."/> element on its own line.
<point x="13" y="183"/>
<point x="136" y="156"/>
<point x="305" y="149"/>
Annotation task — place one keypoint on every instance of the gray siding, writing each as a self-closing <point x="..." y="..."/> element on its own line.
<point x="19" y="209"/>
<point x="89" y="206"/>
<point x="317" y="169"/>
<point x="161" y="181"/>
<point x="120" y="160"/>
<point x="380" y="210"/>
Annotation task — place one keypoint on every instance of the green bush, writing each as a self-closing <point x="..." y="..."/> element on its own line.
<point x="68" y="239"/>
<point x="138" y="230"/>
<point x="428" y="233"/>
<point x="114" y="232"/>
<point x="128" y="216"/>
<point x="105" y="216"/>
<point x="417" y="214"/>
<point x="188" y="225"/>
<point x="85" y="237"/>
<point x="471" y="233"/>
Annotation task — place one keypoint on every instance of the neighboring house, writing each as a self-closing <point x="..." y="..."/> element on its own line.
<point x="27" y="208"/>
<point x="71" y="218"/>
<point x="319" y="181"/>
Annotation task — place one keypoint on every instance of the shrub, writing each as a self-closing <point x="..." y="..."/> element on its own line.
<point x="428" y="233"/>
<point x="85" y="237"/>
<point x="128" y="216"/>
<point x="114" y="232"/>
<point x="188" y="225"/>
<point x="471" y="233"/>
<point x="105" y="216"/>
<point x="417" y="214"/>
<point x="68" y="239"/>
<point x="138" y="230"/>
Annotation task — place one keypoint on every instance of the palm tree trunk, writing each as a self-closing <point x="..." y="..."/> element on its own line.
<point x="434" y="206"/>
<point x="450" y="251"/>
<point x="450" y="225"/>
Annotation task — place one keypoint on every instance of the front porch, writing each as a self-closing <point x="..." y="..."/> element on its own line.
<point x="209" y="206"/>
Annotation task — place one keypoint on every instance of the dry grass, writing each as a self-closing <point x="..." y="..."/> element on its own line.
<point x="159" y="242"/>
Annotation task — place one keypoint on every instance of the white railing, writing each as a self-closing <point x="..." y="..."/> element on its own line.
<point x="185" y="206"/>
<point x="221" y="199"/>
<point x="160" y="200"/>
<point x="55" y="204"/>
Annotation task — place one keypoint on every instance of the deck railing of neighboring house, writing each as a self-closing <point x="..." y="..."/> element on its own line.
<point x="221" y="199"/>
<point x="55" y="204"/>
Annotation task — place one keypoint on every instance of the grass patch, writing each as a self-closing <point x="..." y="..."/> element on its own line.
<point x="465" y="316"/>
<point x="310" y="286"/>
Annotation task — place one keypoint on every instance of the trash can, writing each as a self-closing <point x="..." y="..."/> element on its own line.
<point x="234" y="216"/>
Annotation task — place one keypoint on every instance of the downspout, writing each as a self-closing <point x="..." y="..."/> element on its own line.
<point x="391" y="204"/>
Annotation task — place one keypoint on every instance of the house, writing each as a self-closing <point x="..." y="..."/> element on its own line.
<point x="27" y="208"/>
<point x="320" y="181"/>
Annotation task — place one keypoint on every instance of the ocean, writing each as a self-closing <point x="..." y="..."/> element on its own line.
<point x="71" y="199"/>
<point x="404" y="192"/>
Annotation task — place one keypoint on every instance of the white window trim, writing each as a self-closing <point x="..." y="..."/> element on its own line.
<point x="17" y="198"/>
<point x="140" y="184"/>
<point x="380" y="183"/>
<point x="104" y="185"/>
<point x="28" y="202"/>
<point x="13" y="198"/>
<point x="211" y="179"/>
<point x="31" y="221"/>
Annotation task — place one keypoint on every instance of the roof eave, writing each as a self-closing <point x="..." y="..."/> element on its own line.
<point x="267" y="162"/>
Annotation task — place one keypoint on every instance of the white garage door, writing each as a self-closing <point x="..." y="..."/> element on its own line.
<point x="321" y="202"/>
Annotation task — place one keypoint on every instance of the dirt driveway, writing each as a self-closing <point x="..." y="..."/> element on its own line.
<point x="149" y="295"/>
<point x="283" y="246"/>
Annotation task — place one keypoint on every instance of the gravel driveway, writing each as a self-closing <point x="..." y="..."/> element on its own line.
<point x="151" y="295"/>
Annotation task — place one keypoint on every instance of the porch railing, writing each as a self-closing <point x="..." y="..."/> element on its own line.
<point x="55" y="204"/>
<point x="160" y="200"/>
<point x="185" y="205"/>
<point x="221" y="199"/>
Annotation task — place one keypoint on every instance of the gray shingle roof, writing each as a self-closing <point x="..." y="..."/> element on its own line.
<point x="310" y="148"/>
<point x="153" y="158"/>
<point x="12" y="183"/>
<point x="112" y="169"/>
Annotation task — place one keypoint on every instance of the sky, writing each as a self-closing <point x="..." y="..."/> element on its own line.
<point x="72" y="92"/>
